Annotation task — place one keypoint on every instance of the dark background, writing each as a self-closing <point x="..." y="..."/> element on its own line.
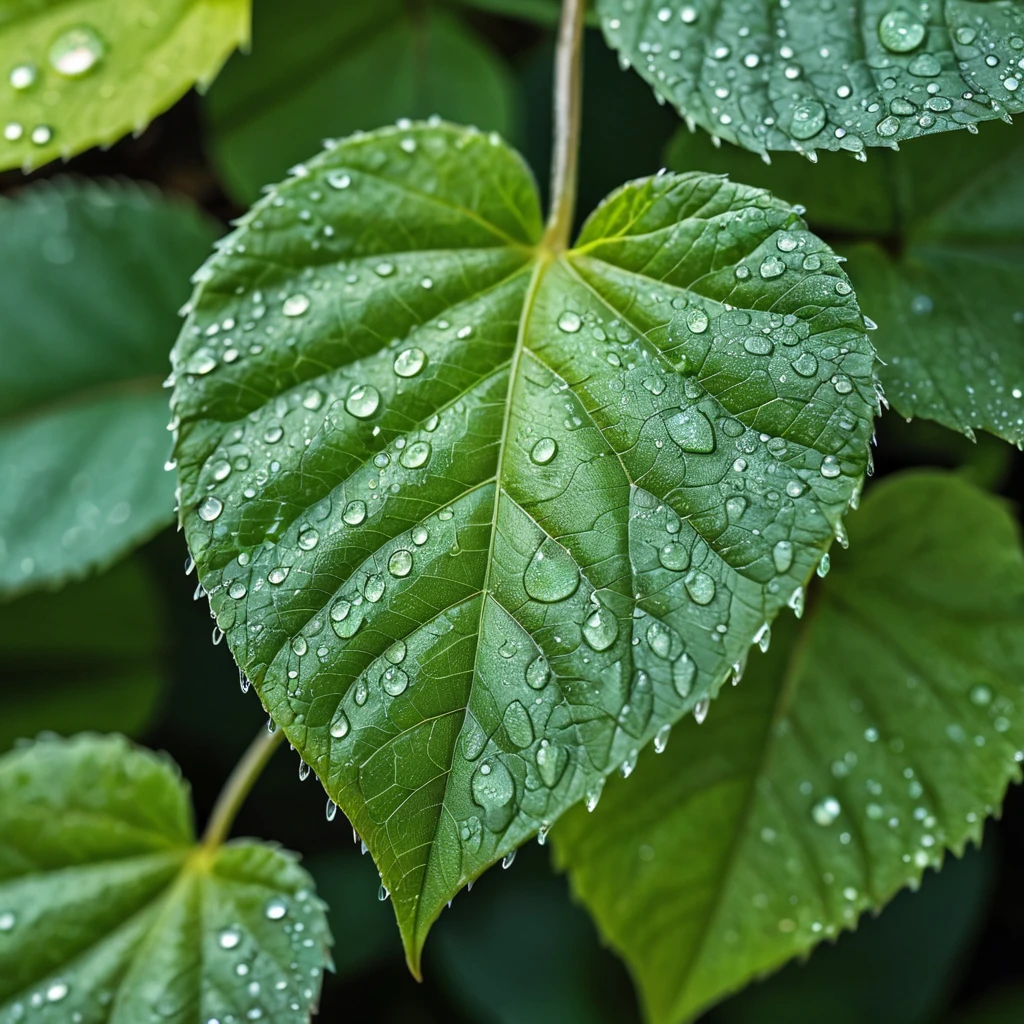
<point x="517" y="949"/>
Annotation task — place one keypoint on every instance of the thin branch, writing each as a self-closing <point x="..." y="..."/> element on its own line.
<point x="568" y="104"/>
<point x="237" y="788"/>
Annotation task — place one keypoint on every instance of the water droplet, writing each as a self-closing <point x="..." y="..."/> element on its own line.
<point x="77" y="51"/>
<point x="400" y="563"/>
<point x="363" y="401"/>
<point x="22" y="76"/>
<point x="56" y="992"/>
<point x="981" y="695"/>
<point x="826" y="811"/>
<point x="782" y="555"/>
<point x="308" y="539"/>
<point x="518" y="725"/>
<point x="416" y="455"/>
<point x="41" y="134"/>
<point x="538" y="672"/>
<point x="888" y="126"/>
<point x="830" y="467"/>
<point x="551" y="574"/>
<point x="809" y="118"/>
<point x="410" y="362"/>
<point x="684" y="671"/>
<point x="355" y="512"/>
<point x="384" y="269"/>
<point x="278" y="575"/>
<point x="900" y="31"/>
<point x="697" y="320"/>
<point x="295" y="305"/>
<point x="824" y="565"/>
<point x="13" y="131"/>
<point x="331" y="810"/>
<point x="549" y="762"/>
<point x="339" y="725"/>
<point x="601" y="629"/>
<point x="758" y="345"/>
<point x="276" y="910"/>
<point x="345" y="618"/>
<point x="210" y="508"/>
<point x="7" y="921"/>
<point x="237" y="591"/>
<point x="661" y="738"/>
<point x="544" y="451"/>
<point x="374" y="587"/>
<point x="771" y="266"/>
<point x="494" y="790"/>
<point x="228" y="939"/>
<point x="701" y="587"/>
<point x="700" y="710"/>
<point x="395" y="681"/>
<point x="691" y="430"/>
<point x="420" y="535"/>
<point x="674" y="556"/>
<point x="569" y="322"/>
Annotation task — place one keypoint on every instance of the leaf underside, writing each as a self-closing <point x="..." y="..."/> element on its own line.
<point x="478" y="520"/>
<point x="93" y="278"/>
<point x="843" y="766"/>
<point x="82" y="73"/>
<point x="110" y="915"/>
<point x="798" y="76"/>
<point x="935" y="239"/>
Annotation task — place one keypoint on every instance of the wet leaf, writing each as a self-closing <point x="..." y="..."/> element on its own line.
<point x="110" y="913"/>
<point x="101" y="669"/>
<point x="848" y="762"/>
<point x="815" y="76"/>
<point x="93" y="277"/>
<point x="273" y="107"/>
<point x="479" y="519"/>
<point x="934" y="238"/>
<point x="83" y="73"/>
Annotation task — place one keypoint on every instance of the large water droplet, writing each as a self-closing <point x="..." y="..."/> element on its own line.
<point x="400" y="563"/>
<point x="346" y="618"/>
<point x="771" y="266"/>
<point x="395" y="681"/>
<point x="782" y="555"/>
<point x="601" y="629"/>
<point x="416" y="455"/>
<point x="374" y="587"/>
<point x="363" y="401"/>
<point x="674" y="556"/>
<point x="691" y="430"/>
<point x="549" y="762"/>
<point x="551" y="575"/>
<point x="900" y="31"/>
<point x="210" y="508"/>
<point x="309" y="538"/>
<point x="544" y="451"/>
<point x="809" y="118"/>
<point x="494" y="790"/>
<point x="538" y="672"/>
<point x="830" y="467"/>
<point x="683" y="673"/>
<point x="23" y="76"/>
<point x="518" y="725"/>
<point x="77" y="51"/>
<point x="570" y="322"/>
<point x="701" y="587"/>
<point x="355" y="512"/>
<point x="410" y="362"/>
<point x="295" y="305"/>
<point x="697" y="320"/>
<point x="826" y="811"/>
<point x="339" y="725"/>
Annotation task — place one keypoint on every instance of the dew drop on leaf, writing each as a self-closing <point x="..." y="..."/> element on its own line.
<point x="77" y="51"/>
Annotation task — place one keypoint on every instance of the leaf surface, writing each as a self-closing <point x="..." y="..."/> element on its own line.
<point x="871" y="73"/>
<point x="102" y="669"/>
<point x="848" y="761"/>
<point x="478" y="519"/>
<point x="109" y="914"/>
<point x="93" y="277"/>
<point x="81" y="73"/>
<point x="272" y="108"/>
<point x="935" y="239"/>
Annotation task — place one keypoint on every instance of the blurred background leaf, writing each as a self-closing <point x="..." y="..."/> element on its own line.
<point x="334" y="68"/>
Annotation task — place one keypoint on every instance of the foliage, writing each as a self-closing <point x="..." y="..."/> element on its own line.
<point x="485" y="507"/>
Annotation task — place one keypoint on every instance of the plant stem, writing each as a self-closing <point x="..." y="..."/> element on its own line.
<point x="237" y="788"/>
<point x="568" y="104"/>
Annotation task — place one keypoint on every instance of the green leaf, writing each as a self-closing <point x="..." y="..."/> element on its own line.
<point x="101" y="669"/>
<point x="81" y="73"/>
<point x="93" y="276"/>
<point x="544" y="12"/>
<point x="273" y="108"/>
<point x="463" y="499"/>
<point x="867" y="74"/>
<point x="934" y="237"/>
<point x="843" y="767"/>
<point x="109" y="913"/>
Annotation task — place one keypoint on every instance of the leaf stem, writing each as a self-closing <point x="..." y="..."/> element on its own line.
<point x="568" y="105"/>
<point x="237" y="788"/>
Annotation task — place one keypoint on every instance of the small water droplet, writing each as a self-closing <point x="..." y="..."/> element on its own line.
<point x="601" y="629"/>
<point x="7" y="921"/>
<point x="363" y="401"/>
<point x="228" y="939"/>
<point x="410" y="362"/>
<point x="416" y="455"/>
<point x="295" y="305"/>
<point x="826" y="811"/>
<point x="830" y="467"/>
<point x="661" y="738"/>
<point x="276" y="910"/>
<point x="771" y="267"/>
<point x="77" y="51"/>
<point x="782" y="555"/>
<point x="538" y="672"/>
<point x="22" y="77"/>
<point x="700" y="710"/>
<point x="569" y="322"/>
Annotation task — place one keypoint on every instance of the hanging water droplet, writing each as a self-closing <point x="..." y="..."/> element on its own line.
<point x="544" y="451"/>
<point x="295" y="305"/>
<point x="594" y="795"/>
<point x="410" y="362"/>
<point x="331" y="810"/>
<point x="363" y="401"/>
<point x="824" y="565"/>
<point x="76" y="52"/>
<point x="601" y="629"/>
<point x="700" y="710"/>
<point x="661" y="738"/>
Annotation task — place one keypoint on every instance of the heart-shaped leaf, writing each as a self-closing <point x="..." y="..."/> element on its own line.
<point x="82" y="73"/>
<point x="798" y="77"/>
<point x="110" y="914"/>
<point x="480" y="518"/>
<point x="846" y="763"/>
<point x="93" y="278"/>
